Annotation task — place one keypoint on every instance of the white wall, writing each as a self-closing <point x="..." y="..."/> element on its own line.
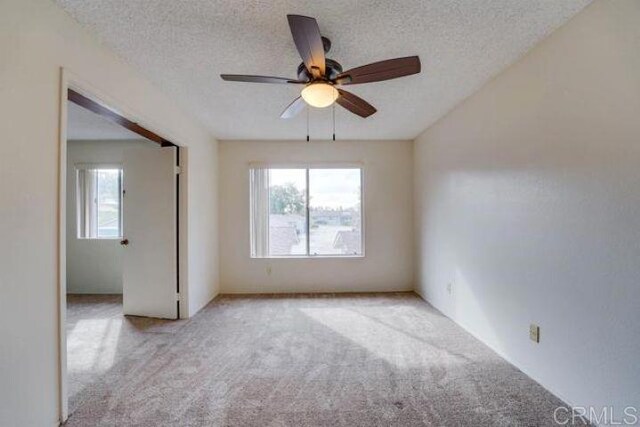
<point x="202" y="272"/>
<point x="388" y="261"/>
<point x="94" y="266"/>
<point x="527" y="199"/>
<point x="36" y="40"/>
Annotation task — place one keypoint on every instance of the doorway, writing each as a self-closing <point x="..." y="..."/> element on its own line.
<point x="119" y="241"/>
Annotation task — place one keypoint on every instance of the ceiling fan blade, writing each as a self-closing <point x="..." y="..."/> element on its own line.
<point x="292" y="110"/>
<point x="259" y="79"/>
<point x="355" y="104"/>
<point x="306" y="36"/>
<point x="379" y="71"/>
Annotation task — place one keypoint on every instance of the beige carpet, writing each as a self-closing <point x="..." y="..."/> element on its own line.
<point x="323" y="360"/>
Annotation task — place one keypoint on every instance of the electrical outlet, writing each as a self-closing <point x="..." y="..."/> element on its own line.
<point x="449" y="287"/>
<point x="534" y="333"/>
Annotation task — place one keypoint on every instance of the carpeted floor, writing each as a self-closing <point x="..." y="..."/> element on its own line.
<point x="303" y="360"/>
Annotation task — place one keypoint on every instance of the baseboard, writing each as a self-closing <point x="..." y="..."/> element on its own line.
<point x="243" y="290"/>
<point x="302" y="293"/>
<point x="93" y="293"/>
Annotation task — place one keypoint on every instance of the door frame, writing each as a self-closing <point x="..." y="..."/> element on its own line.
<point x="117" y="112"/>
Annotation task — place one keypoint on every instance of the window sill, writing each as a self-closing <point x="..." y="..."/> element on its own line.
<point x="99" y="238"/>
<point x="311" y="257"/>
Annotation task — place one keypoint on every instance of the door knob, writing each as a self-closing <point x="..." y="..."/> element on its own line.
<point x="124" y="242"/>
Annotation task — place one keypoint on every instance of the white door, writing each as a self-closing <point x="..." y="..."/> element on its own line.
<point x="150" y="232"/>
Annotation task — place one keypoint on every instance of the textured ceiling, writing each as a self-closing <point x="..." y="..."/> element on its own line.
<point x="83" y="124"/>
<point x="183" y="46"/>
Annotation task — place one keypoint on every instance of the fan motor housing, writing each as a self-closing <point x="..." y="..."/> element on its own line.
<point x="333" y="68"/>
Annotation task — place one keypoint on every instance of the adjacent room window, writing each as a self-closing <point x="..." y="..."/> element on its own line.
<point x="300" y="212"/>
<point x="99" y="202"/>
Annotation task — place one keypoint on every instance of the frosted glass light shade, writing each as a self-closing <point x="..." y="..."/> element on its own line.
<point x="319" y="95"/>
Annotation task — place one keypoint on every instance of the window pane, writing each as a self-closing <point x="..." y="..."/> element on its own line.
<point x="287" y="212"/>
<point x="335" y="212"/>
<point x="108" y="203"/>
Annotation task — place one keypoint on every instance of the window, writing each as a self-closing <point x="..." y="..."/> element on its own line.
<point x="99" y="202"/>
<point x="299" y="212"/>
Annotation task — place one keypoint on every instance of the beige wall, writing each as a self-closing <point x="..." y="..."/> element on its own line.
<point x="388" y="261"/>
<point x="527" y="200"/>
<point x="36" y="39"/>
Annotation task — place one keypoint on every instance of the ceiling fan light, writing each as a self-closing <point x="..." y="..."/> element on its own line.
<point x="319" y="95"/>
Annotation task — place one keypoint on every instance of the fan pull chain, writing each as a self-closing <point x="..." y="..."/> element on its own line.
<point x="334" y="121"/>
<point x="307" y="124"/>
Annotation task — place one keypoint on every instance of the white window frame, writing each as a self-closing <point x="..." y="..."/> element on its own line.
<point x="307" y="167"/>
<point x="80" y="202"/>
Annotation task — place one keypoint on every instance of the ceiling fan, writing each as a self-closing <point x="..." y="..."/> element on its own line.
<point x="322" y="77"/>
